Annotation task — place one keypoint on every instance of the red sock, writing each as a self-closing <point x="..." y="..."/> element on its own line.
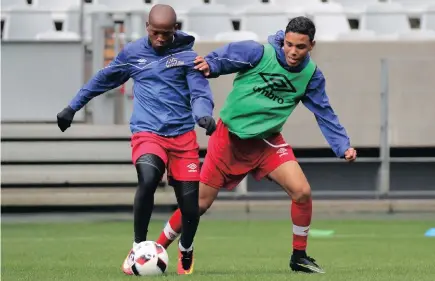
<point x="301" y="218"/>
<point x="171" y="231"/>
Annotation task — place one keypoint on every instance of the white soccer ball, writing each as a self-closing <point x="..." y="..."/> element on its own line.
<point x="150" y="258"/>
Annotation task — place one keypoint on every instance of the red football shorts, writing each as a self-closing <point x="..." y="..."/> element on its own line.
<point x="180" y="153"/>
<point x="229" y="159"/>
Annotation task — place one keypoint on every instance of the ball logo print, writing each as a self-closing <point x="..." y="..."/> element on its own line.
<point x="150" y="258"/>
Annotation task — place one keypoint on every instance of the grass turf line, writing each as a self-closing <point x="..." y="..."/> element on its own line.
<point x="245" y="250"/>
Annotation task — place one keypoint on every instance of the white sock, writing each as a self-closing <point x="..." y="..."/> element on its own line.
<point x="134" y="244"/>
<point x="184" y="249"/>
<point x="170" y="233"/>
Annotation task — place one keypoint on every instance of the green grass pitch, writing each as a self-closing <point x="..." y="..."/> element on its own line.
<point x="225" y="250"/>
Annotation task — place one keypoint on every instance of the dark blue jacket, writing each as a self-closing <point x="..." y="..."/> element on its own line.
<point x="241" y="56"/>
<point x="169" y="95"/>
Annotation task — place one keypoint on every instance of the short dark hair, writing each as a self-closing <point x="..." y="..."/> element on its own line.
<point x="302" y="25"/>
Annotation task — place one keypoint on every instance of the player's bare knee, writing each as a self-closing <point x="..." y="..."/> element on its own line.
<point x="204" y="205"/>
<point x="302" y="195"/>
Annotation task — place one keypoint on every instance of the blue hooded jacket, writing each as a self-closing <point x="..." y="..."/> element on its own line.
<point x="243" y="55"/>
<point x="169" y="94"/>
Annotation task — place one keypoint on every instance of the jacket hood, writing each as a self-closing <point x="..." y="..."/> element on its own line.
<point x="182" y="42"/>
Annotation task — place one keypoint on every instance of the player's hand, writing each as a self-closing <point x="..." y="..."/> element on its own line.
<point x="202" y="65"/>
<point x="65" y="118"/>
<point x="350" y="154"/>
<point x="208" y="124"/>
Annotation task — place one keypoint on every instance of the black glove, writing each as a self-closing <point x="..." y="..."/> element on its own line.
<point x="208" y="124"/>
<point x="65" y="118"/>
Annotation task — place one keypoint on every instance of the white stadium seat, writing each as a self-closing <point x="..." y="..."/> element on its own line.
<point x="330" y="20"/>
<point x="357" y="35"/>
<point x="264" y="20"/>
<point x="415" y="6"/>
<point x="6" y="4"/>
<point x="124" y="5"/>
<point x="354" y="6"/>
<point x="415" y="35"/>
<point x="26" y="23"/>
<point x="57" y="36"/>
<point x="290" y="4"/>
<point x="237" y="7"/>
<point x="232" y="36"/>
<point x="181" y="7"/>
<point x="207" y="20"/>
<point x="56" y="5"/>
<point x="385" y="19"/>
<point x="237" y="4"/>
<point x="428" y="18"/>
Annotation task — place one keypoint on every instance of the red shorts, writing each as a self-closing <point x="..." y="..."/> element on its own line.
<point x="229" y="159"/>
<point x="179" y="153"/>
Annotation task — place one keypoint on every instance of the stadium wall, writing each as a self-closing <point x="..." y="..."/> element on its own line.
<point x="352" y="70"/>
<point x="354" y="78"/>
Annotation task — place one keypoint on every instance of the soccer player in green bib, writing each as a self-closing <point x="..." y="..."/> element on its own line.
<point x="271" y="80"/>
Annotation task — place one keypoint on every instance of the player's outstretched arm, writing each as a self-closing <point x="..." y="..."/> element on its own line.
<point x="231" y="58"/>
<point x="317" y="102"/>
<point x="201" y="100"/>
<point x="108" y="78"/>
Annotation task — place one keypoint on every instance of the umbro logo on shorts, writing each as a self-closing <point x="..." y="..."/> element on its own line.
<point x="282" y="151"/>
<point x="192" y="168"/>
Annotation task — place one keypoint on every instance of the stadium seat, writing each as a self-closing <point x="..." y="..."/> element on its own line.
<point x="238" y="3"/>
<point x="57" y="36"/>
<point x="291" y="4"/>
<point x="25" y="23"/>
<point x="56" y="5"/>
<point x="264" y="20"/>
<point x="181" y="7"/>
<point x="207" y="20"/>
<point x="428" y="18"/>
<point x="385" y="19"/>
<point x="296" y="12"/>
<point x="237" y="7"/>
<point x="357" y="35"/>
<point x="124" y="6"/>
<point x="232" y="36"/>
<point x="354" y="7"/>
<point x="330" y="20"/>
<point x="414" y="6"/>
<point x="415" y="35"/>
<point x="6" y="4"/>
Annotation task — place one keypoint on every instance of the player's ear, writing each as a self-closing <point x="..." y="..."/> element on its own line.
<point x="313" y="43"/>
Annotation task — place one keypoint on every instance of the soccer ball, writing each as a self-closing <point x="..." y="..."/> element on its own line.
<point x="150" y="258"/>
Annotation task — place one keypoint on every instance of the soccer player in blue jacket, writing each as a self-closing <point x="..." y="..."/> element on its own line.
<point x="169" y="97"/>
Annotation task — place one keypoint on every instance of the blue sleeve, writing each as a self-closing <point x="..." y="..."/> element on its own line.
<point x="108" y="78"/>
<point x="317" y="102"/>
<point x="234" y="57"/>
<point x="201" y="98"/>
